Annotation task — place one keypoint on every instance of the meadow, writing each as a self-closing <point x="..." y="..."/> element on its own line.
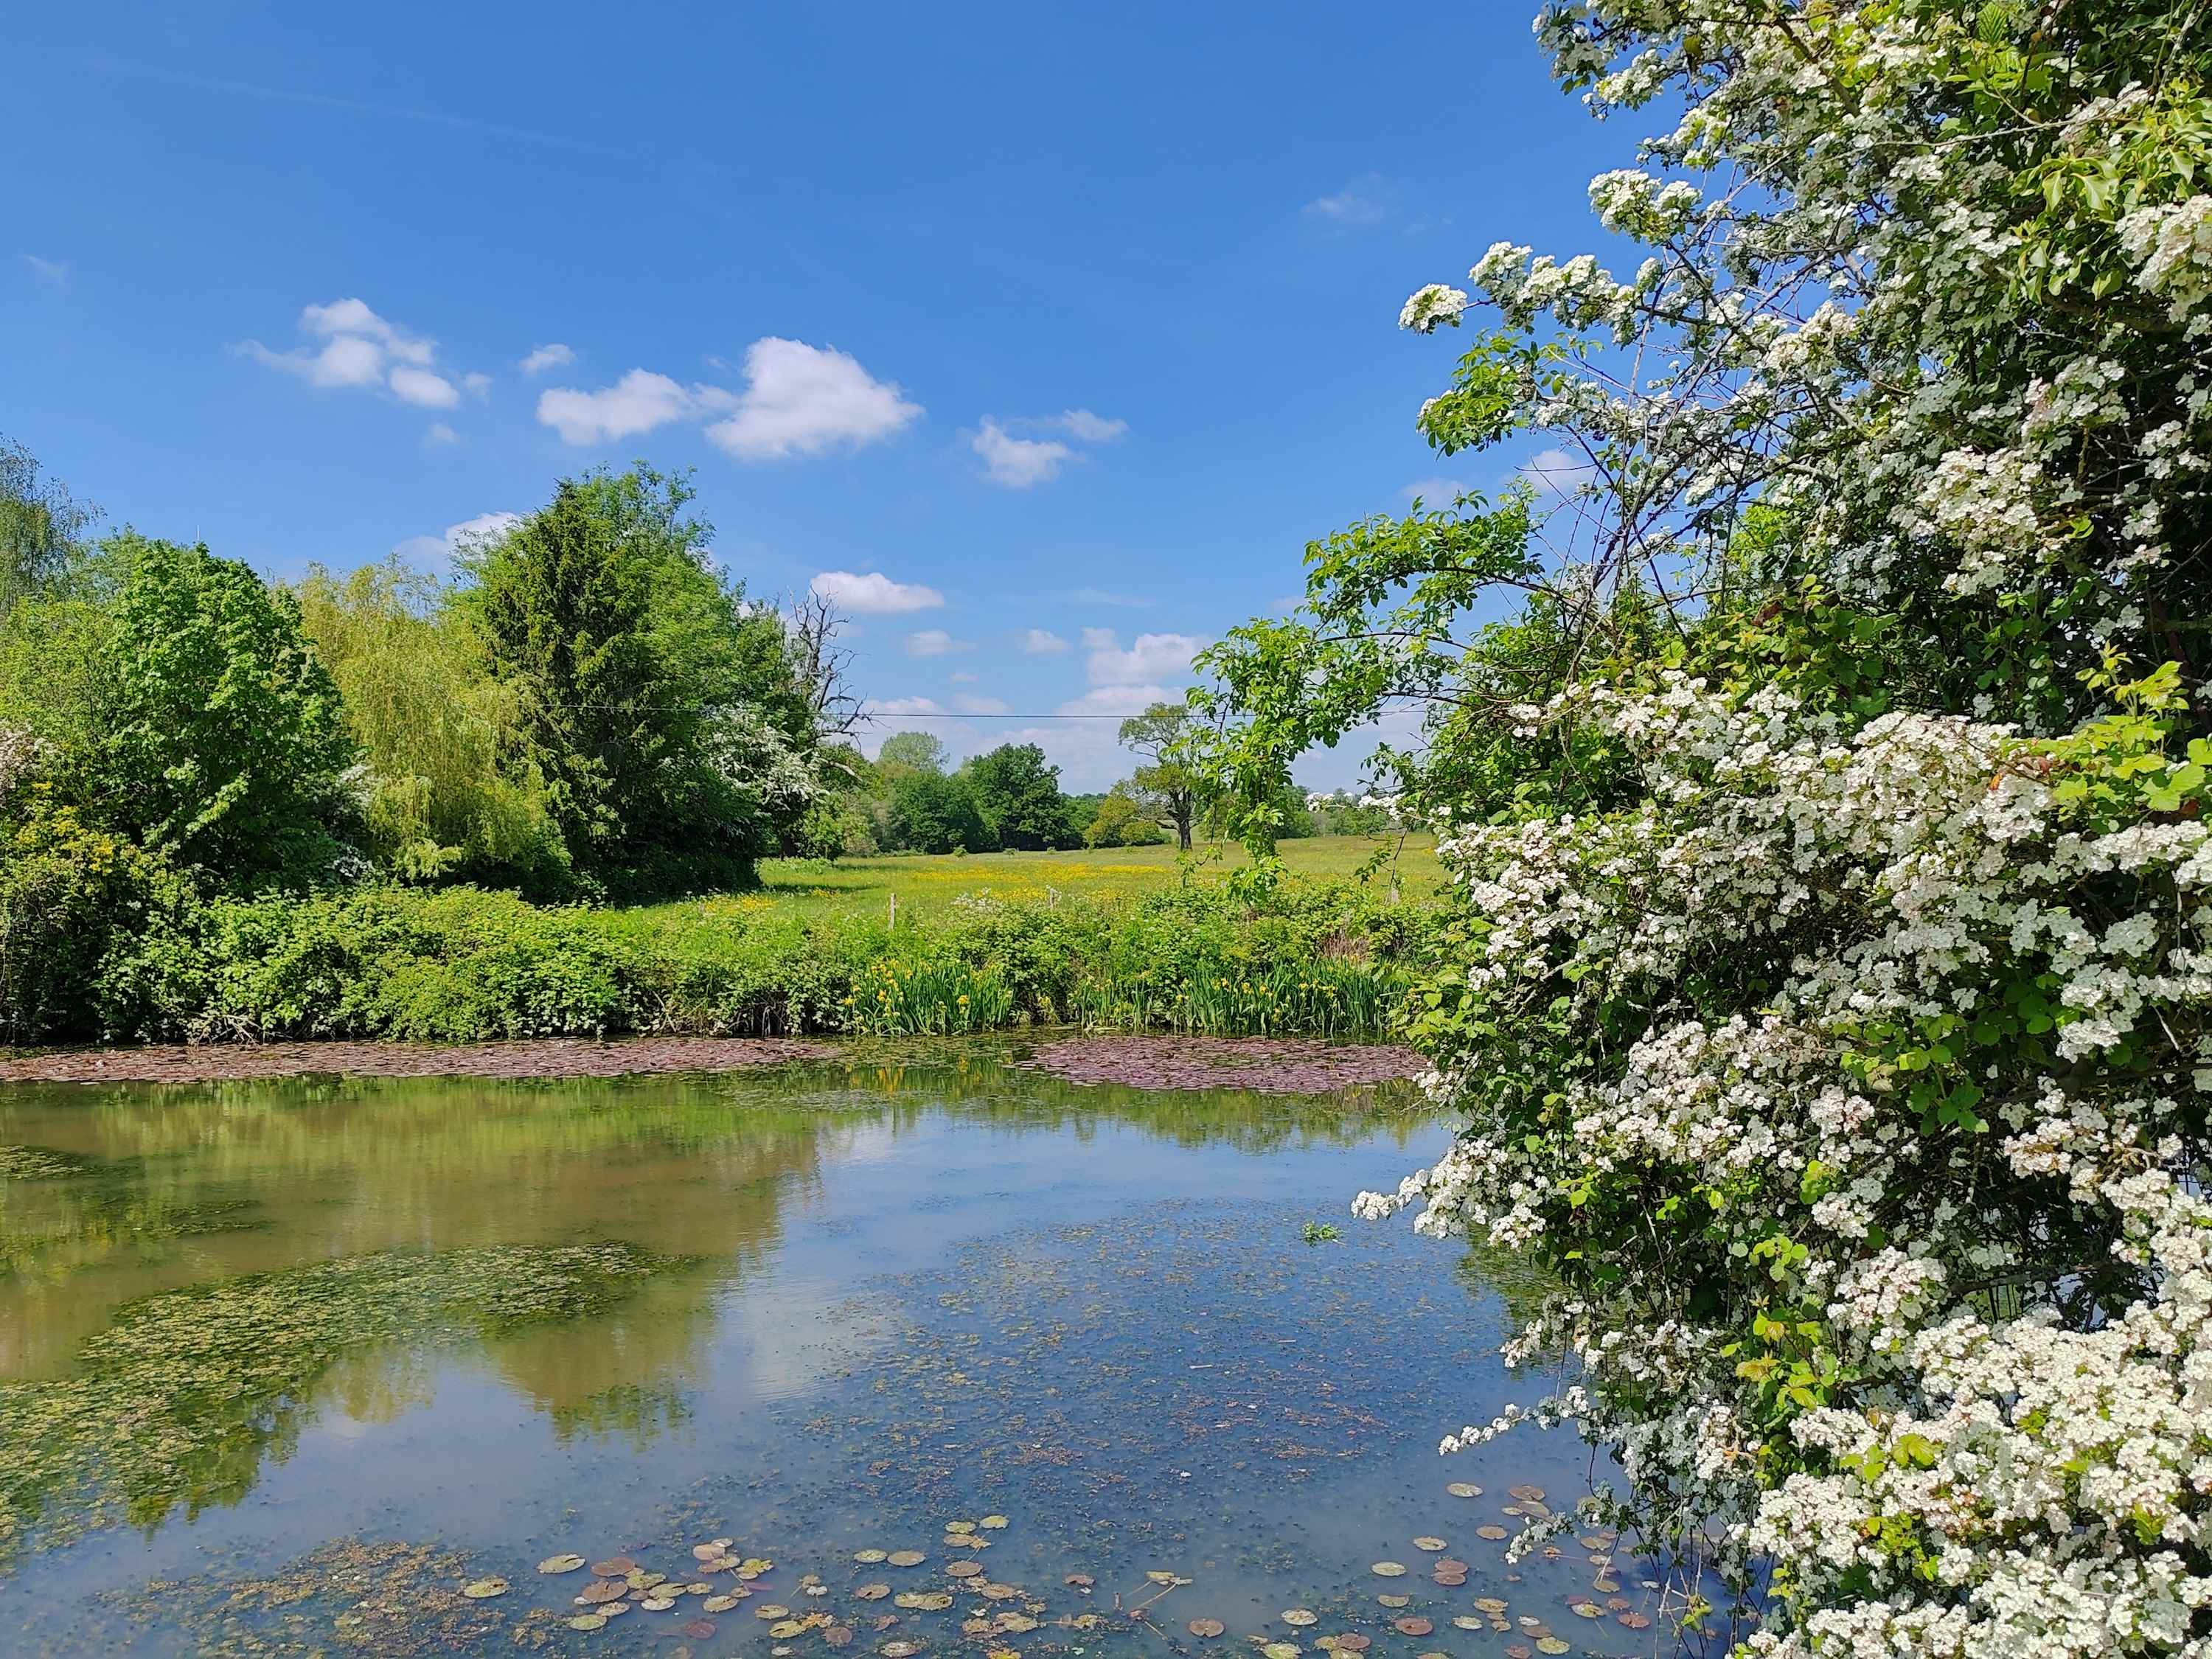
<point x="926" y="885"/>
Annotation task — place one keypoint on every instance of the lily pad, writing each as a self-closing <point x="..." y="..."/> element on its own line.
<point x="873" y="1592"/>
<point x="1489" y="1604"/>
<point x="1527" y="1493"/>
<point x="1395" y="1601"/>
<point x="1552" y="1645"/>
<point x="559" y="1564"/>
<point x="900" y="1650"/>
<point x="784" y="1629"/>
<point x="1468" y="1621"/>
<point x="604" y="1590"/>
<point x="1634" y="1621"/>
<point x="482" y="1589"/>
<point x="1412" y="1625"/>
<point x="587" y="1621"/>
<point x="1353" y="1643"/>
<point x="616" y="1566"/>
<point x="1464" y="1489"/>
<point x="718" y="1604"/>
<point x="1587" y="1610"/>
<point x="770" y="1610"/>
<point x="869" y="1557"/>
<point x="1492" y="1532"/>
<point x="992" y="1522"/>
<point x="959" y="1526"/>
<point x="658" y="1603"/>
<point x="1079" y="1580"/>
<point x="1431" y="1545"/>
<point x="964" y="1570"/>
<point x="1208" y="1628"/>
<point x="1280" y="1650"/>
<point x="838" y="1636"/>
<point x="906" y="1557"/>
<point x="1300" y="1617"/>
<point x="1388" y="1569"/>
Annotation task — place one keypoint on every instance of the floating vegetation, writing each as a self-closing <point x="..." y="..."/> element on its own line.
<point x="176" y="1402"/>
<point x="1262" y="1064"/>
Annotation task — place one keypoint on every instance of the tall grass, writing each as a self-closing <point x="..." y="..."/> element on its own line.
<point x="1318" y="998"/>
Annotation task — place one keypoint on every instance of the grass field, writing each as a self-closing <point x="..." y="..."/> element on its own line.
<point x="926" y="883"/>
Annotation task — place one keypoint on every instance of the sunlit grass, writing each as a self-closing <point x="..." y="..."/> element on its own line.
<point x="925" y="885"/>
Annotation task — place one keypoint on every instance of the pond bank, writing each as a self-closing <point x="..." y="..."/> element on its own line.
<point x="1262" y="1064"/>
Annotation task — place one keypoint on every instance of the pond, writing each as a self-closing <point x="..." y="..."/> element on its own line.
<point x="320" y="1366"/>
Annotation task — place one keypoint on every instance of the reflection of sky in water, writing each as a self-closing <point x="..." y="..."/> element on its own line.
<point x="920" y="1295"/>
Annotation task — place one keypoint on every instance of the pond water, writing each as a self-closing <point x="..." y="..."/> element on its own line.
<point x="283" y="1367"/>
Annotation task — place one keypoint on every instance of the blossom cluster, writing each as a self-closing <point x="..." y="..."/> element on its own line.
<point x="1969" y="1098"/>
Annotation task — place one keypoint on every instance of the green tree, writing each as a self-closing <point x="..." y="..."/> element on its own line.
<point x="1123" y="819"/>
<point x="225" y="744"/>
<point x="1018" y="792"/>
<point x="929" y="812"/>
<point x="1167" y="782"/>
<point x="904" y="752"/>
<point x="630" y="655"/>
<point x="41" y="528"/>
<point x="453" y="788"/>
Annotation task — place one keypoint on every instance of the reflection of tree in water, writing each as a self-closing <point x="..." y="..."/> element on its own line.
<point x="304" y="1199"/>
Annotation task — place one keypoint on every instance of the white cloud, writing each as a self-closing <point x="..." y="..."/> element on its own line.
<point x="352" y="318"/>
<point x="551" y="355"/>
<point x="974" y="705"/>
<point x="934" y="642"/>
<point x="1119" y="700"/>
<point x="1434" y="493"/>
<point x="440" y="433"/>
<point x="55" y="272"/>
<point x="476" y="385"/>
<point x="1150" y="658"/>
<point x="638" y="401"/>
<point x="1019" y="462"/>
<point x="1039" y="642"/>
<point x="1367" y="200"/>
<point x="423" y="388"/>
<point x="962" y="678"/>
<point x="1016" y="463"/>
<point x="1556" y="472"/>
<point x="1082" y="424"/>
<point x="440" y="550"/>
<point x="803" y="399"/>
<point x="360" y="348"/>
<point x="799" y="400"/>
<point x="874" y="594"/>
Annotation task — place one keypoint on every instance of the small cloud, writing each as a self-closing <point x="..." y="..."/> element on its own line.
<point x="1039" y="642"/>
<point x="423" y="388"/>
<point x="55" y="272"/>
<point x="433" y="550"/>
<point x="874" y="594"/>
<point x="638" y="401"/>
<point x="1082" y="424"/>
<point x="541" y="358"/>
<point x="972" y="705"/>
<point x="800" y="400"/>
<point x="440" y="433"/>
<point x="1149" y="658"/>
<point x="476" y="385"/>
<point x="804" y="399"/>
<point x="963" y="678"/>
<point x="934" y="642"/>
<point x="1119" y="700"/>
<point x="1016" y="463"/>
<point x="1434" y="492"/>
<point x="1557" y="472"/>
<point x="1287" y="604"/>
<point x="897" y="707"/>
<point x="360" y="348"/>
<point x="1100" y="596"/>
<point x="1368" y="200"/>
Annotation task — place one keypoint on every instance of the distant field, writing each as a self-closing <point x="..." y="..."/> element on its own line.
<point x="925" y="883"/>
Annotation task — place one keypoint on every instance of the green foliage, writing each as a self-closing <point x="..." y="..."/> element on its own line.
<point x="224" y="743"/>
<point x="1017" y="794"/>
<point x="928" y="812"/>
<point x="903" y="752"/>
<point x="41" y="526"/>
<point x="1122" y="820"/>
<point x="1169" y="785"/>
<point x="451" y="788"/>
<point x="624" y="651"/>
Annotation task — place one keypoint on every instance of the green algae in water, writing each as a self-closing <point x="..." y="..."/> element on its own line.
<point x="73" y="1211"/>
<point x="177" y="1403"/>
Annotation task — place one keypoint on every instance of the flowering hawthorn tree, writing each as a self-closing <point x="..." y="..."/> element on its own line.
<point x="1829" y="1003"/>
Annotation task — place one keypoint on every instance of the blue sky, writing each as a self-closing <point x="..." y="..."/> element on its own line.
<point x="1047" y="336"/>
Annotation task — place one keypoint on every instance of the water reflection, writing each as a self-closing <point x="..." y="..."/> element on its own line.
<point x="921" y="1287"/>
